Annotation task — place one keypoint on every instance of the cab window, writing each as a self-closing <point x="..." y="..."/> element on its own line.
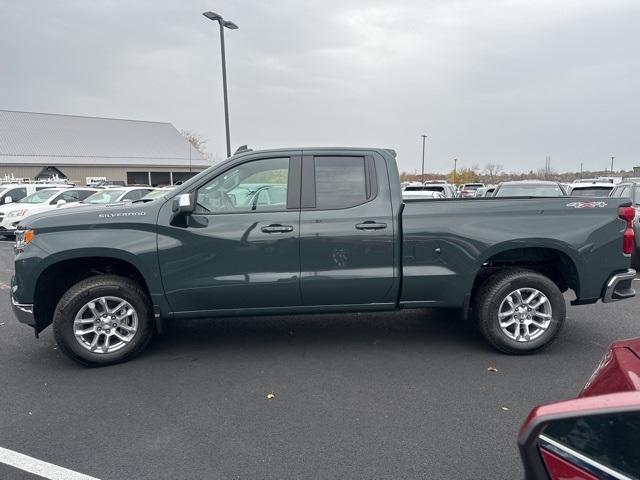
<point x="255" y="186"/>
<point x="340" y="182"/>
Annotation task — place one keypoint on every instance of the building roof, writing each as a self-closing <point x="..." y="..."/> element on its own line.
<point x="44" y="138"/>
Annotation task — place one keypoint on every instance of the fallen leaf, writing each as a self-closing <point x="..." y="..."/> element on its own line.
<point x="505" y="408"/>
<point x="30" y="413"/>
<point x="492" y="369"/>
<point x="1" y="324"/>
<point x="270" y="396"/>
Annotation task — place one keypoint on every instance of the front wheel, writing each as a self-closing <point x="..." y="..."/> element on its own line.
<point x="103" y="320"/>
<point x="519" y="311"/>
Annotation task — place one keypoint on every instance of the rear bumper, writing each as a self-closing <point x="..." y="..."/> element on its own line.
<point x="619" y="287"/>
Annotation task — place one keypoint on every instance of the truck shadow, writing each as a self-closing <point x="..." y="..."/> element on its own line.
<point x="433" y="329"/>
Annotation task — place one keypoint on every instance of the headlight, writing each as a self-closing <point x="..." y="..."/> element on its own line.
<point x="17" y="213"/>
<point x="23" y="238"/>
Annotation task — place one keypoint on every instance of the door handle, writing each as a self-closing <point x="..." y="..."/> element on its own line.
<point x="277" y="228"/>
<point x="370" y="225"/>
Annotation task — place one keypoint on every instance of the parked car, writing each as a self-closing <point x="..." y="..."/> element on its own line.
<point x="115" y="195"/>
<point x="40" y="201"/>
<point x="108" y="276"/>
<point x="594" y="436"/>
<point x="468" y="189"/>
<point x="413" y="191"/>
<point x="529" y="188"/>
<point x="14" y="192"/>
<point x="590" y="189"/>
<point x="631" y="189"/>
<point x="448" y="190"/>
<point x="422" y="195"/>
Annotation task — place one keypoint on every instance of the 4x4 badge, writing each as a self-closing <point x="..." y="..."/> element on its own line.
<point x="587" y="204"/>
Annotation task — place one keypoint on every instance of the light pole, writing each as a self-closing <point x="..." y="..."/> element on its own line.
<point x="424" y="137"/>
<point x="455" y="166"/>
<point x="231" y="26"/>
<point x="580" y="170"/>
<point x="612" y="165"/>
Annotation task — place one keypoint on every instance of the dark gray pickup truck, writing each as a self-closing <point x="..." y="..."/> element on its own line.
<point x="314" y="230"/>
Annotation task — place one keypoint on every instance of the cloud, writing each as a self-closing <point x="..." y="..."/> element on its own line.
<point x="505" y="81"/>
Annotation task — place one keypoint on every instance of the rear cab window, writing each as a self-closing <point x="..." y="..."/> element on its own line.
<point x="337" y="182"/>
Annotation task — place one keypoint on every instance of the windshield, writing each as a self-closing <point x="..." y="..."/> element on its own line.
<point x="39" y="197"/>
<point x="104" y="196"/>
<point x="591" y="191"/>
<point x="529" y="191"/>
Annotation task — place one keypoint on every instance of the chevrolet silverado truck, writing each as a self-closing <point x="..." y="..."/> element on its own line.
<point x="311" y="231"/>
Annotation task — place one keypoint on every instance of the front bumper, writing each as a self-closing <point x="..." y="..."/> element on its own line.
<point x="619" y="286"/>
<point x="23" y="312"/>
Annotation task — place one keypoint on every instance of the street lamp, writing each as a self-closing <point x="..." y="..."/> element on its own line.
<point x="424" y="137"/>
<point x="231" y="26"/>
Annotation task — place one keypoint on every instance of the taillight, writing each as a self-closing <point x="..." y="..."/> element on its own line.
<point x="627" y="214"/>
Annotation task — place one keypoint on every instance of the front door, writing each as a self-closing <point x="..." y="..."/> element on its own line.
<point x="346" y="230"/>
<point x="240" y="248"/>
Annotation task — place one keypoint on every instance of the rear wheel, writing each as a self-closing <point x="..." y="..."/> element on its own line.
<point x="103" y="320"/>
<point x="519" y="311"/>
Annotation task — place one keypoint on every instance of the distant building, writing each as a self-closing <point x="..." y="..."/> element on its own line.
<point x="636" y="171"/>
<point x="42" y="145"/>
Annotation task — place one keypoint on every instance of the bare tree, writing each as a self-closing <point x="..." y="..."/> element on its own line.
<point x="493" y="170"/>
<point x="195" y="139"/>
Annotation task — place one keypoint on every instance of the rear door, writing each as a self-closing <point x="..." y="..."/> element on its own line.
<point x="346" y="229"/>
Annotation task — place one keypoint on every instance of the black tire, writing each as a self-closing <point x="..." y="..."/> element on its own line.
<point x="87" y="290"/>
<point x="493" y="292"/>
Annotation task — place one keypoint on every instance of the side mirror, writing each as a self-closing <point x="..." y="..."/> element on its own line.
<point x="60" y="202"/>
<point x="8" y="199"/>
<point x="184" y="204"/>
<point x="585" y="438"/>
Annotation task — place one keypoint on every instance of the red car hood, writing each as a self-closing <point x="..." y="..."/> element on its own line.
<point x="618" y="371"/>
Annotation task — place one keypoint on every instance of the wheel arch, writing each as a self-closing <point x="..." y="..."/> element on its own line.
<point x="556" y="260"/>
<point x="64" y="271"/>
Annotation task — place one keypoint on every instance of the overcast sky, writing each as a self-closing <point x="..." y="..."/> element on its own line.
<point x="503" y="81"/>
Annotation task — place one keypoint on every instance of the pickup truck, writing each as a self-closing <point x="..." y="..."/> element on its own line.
<point x="314" y="230"/>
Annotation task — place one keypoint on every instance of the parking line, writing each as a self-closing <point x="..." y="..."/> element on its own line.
<point x="38" y="467"/>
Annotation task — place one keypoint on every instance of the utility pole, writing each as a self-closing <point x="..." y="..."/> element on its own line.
<point x="612" y="165"/>
<point x="424" y="137"/>
<point x="580" y="170"/>
<point x="455" y="166"/>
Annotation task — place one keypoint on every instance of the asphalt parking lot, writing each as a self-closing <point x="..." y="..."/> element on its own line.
<point x="401" y="395"/>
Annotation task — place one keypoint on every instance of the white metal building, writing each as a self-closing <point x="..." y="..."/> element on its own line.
<point x="79" y="148"/>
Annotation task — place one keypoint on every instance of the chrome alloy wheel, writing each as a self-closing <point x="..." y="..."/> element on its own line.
<point x="525" y="314"/>
<point x="105" y="324"/>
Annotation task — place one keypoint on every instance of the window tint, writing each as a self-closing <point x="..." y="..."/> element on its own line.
<point x="611" y="440"/>
<point x="340" y="182"/>
<point x="260" y="185"/>
<point x="82" y="194"/>
<point x="69" y="196"/>
<point x="17" y="194"/>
